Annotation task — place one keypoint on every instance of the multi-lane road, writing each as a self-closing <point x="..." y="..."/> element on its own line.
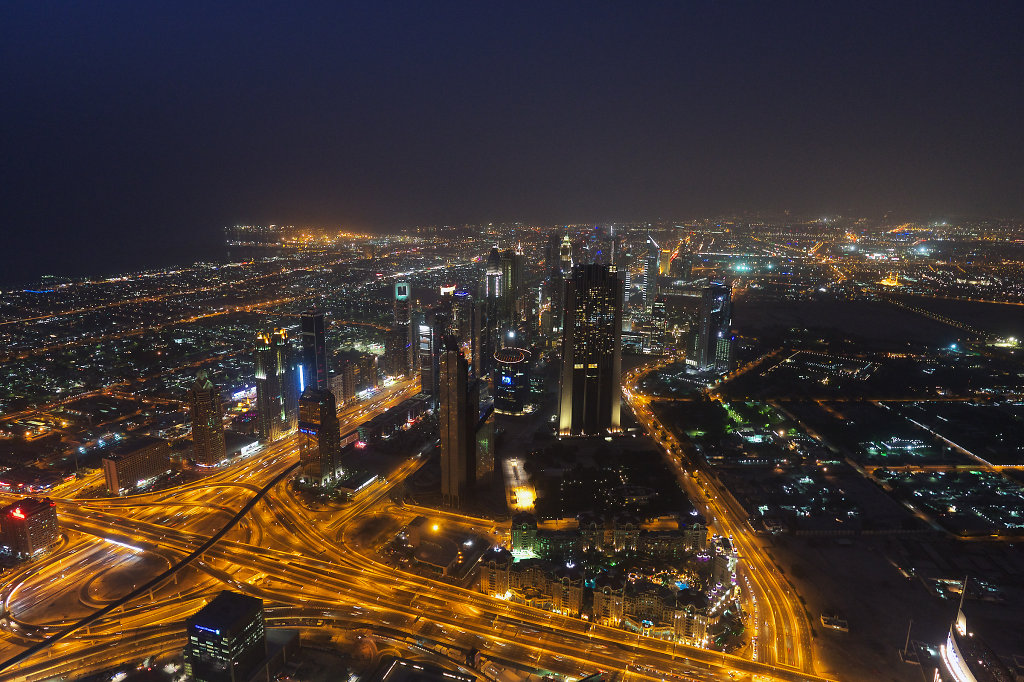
<point x="781" y="627"/>
<point x="296" y="558"/>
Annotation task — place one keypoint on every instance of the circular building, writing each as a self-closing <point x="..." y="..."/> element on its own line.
<point x="511" y="380"/>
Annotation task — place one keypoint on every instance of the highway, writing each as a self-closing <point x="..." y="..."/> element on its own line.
<point x="296" y="558"/>
<point x="782" y="628"/>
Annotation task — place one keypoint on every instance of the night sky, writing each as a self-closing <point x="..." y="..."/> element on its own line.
<point x="132" y="132"/>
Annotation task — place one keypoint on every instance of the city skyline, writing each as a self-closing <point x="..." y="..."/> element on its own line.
<point x="537" y="114"/>
<point x="396" y="342"/>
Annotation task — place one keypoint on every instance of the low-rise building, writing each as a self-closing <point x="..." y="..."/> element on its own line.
<point x="134" y="463"/>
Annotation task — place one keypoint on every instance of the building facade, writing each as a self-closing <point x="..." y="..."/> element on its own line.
<point x="226" y="639"/>
<point x="314" y="351"/>
<point x="712" y="345"/>
<point x="207" y="414"/>
<point x="29" y="527"/>
<point x="275" y="386"/>
<point x="458" y="415"/>
<point x="319" y="438"/>
<point x="589" y="389"/>
<point x="511" y="380"/>
<point x="135" y="463"/>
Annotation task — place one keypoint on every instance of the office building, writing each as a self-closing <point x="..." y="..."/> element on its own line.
<point x="275" y="405"/>
<point x="565" y="256"/>
<point x="314" y="352"/>
<point x="135" y="463"/>
<point x="430" y="329"/>
<point x="511" y="380"/>
<point x="658" y="328"/>
<point x="28" y="527"/>
<point x="319" y="438"/>
<point x="589" y="389"/>
<point x="712" y="341"/>
<point x="458" y="415"/>
<point x="651" y="273"/>
<point x="402" y="331"/>
<point x="485" y="446"/>
<point x="511" y="263"/>
<point x="208" y="448"/>
<point x="226" y="639"/>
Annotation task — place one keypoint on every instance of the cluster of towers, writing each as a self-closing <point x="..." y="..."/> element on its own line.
<point x="472" y="355"/>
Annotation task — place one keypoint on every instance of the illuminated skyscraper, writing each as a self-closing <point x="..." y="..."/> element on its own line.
<point x="319" y="438"/>
<point x="589" y="391"/>
<point x="565" y="256"/>
<point x="651" y="273"/>
<point x="489" y="317"/>
<point x="511" y="263"/>
<point x="511" y="380"/>
<point x="430" y="330"/>
<point x="711" y="347"/>
<point x="458" y="414"/>
<point x="275" y="410"/>
<point x="208" y="447"/>
<point x="314" y="352"/>
<point x="402" y="330"/>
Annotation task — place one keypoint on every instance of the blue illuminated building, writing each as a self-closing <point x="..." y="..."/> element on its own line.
<point x="226" y="639"/>
<point x="511" y="380"/>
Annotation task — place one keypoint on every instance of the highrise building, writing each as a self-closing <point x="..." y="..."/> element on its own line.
<point x="651" y="273"/>
<point x="314" y="351"/>
<point x="430" y="329"/>
<point x="589" y="391"/>
<point x="275" y="407"/>
<point x="511" y="264"/>
<point x="319" y="438"/>
<point x="227" y="639"/>
<point x="712" y="342"/>
<point x="511" y="380"/>
<point x="402" y="329"/>
<point x="659" y="325"/>
<point x="208" y="447"/>
<point x="28" y="527"/>
<point x="485" y="446"/>
<point x="458" y="414"/>
<point x="565" y="256"/>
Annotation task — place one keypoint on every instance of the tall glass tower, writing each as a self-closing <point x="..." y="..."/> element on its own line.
<point x="589" y="390"/>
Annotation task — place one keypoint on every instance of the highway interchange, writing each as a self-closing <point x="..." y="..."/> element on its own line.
<point x="295" y="556"/>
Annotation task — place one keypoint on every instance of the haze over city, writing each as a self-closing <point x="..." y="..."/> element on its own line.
<point x="453" y="342"/>
<point x="133" y="132"/>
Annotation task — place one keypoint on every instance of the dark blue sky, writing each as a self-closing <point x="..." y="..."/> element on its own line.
<point x="132" y="132"/>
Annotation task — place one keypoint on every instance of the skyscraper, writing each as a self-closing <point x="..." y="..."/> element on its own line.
<point x="314" y="351"/>
<point x="589" y="391"/>
<point x="208" y="447"/>
<point x="402" y="329"/>
<point x="319" y="438"/>
<point x="430" y="327"/>
<point x="275" y="408"/>
<point x="457" y="418"/>
<point x="651" y="273"/>
<point x="490" y="316"/>
<point x="226" y="639"/>
<point x="511" y="380"/>
<point x="712" y="341"/>
<point x="511" y="264"/>
<point x="565" y="256"/>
